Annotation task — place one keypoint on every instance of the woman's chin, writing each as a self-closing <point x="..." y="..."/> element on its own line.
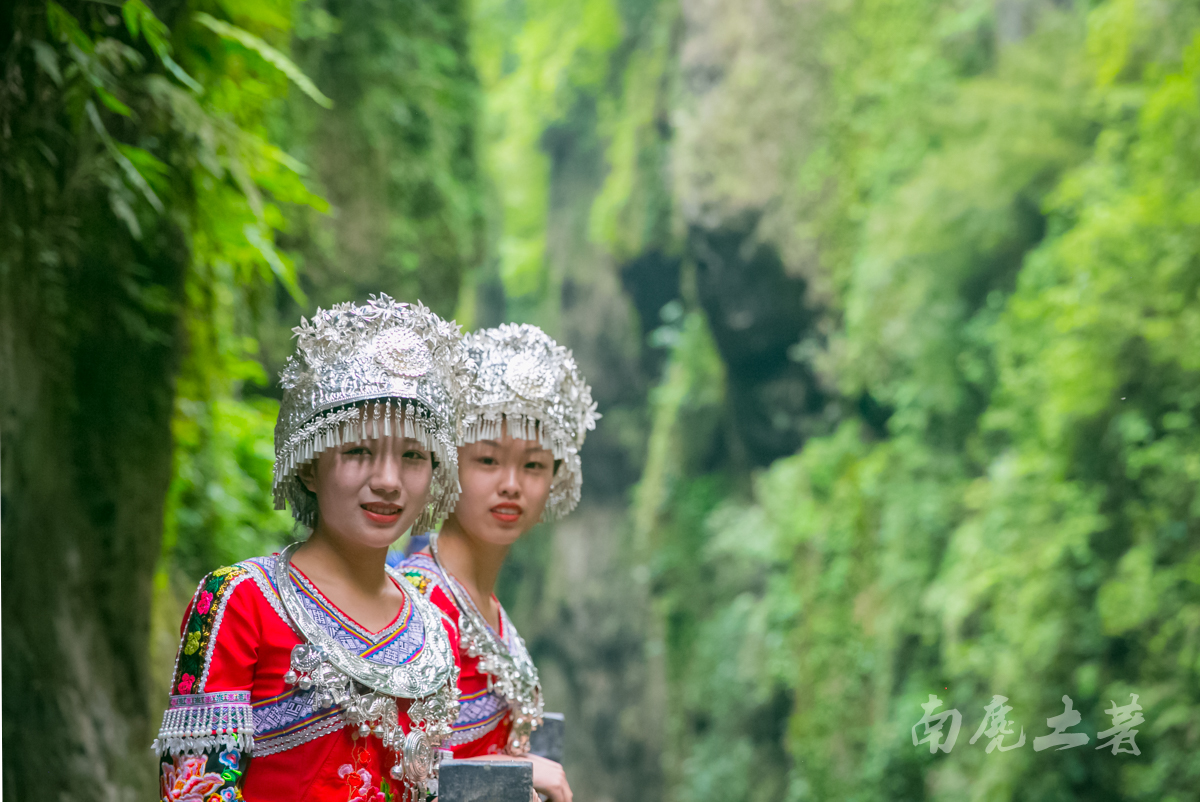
<point x="376" y="537"/>
<point x="500" y="535"/>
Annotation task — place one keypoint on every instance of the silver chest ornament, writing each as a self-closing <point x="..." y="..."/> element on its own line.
<point x="509" y="668"/>
<point x="367" y="692"/>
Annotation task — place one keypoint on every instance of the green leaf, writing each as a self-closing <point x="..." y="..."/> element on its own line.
<point x="286" y="276"/>
<point x="110" y="100"/>
<point x="185" y="79"/>
<point x="66" y="27"/>
<point x="139" y="18"/>
<point x="148" y="165"/>
<point x="47" y="59"/>
<point x="122" y="160"/>
<point x="268" y="53"/>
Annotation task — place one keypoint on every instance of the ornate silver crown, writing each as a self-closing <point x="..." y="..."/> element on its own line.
<point x="367" y="371"/>
<point x="531" y="382"/>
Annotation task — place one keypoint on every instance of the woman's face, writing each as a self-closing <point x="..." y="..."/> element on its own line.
<point x="505" y="484"/>
<point x="370" y="492"/>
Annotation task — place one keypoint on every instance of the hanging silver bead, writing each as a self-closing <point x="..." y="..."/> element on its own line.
<point x="291" y="677"/>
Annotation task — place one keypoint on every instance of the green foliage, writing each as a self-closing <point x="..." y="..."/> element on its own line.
<point x="219" y="508"/>
<point x="169" y="121"/>
<point x="536" y="60"/>
<point x="1010" y="229"/>
<point x="396" y="159"/>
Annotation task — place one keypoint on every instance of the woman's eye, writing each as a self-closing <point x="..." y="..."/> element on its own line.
<point x="414" y="455"/>
<point x="357" y="451"/>
<point x="487" y="461"/>
<point x="535" y="466"/>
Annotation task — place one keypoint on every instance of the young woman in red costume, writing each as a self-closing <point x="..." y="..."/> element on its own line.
<point x="316" y="674"/>
<point x="523" y="424"/>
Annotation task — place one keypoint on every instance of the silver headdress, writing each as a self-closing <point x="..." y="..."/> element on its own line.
<point x="370" y="371"/>
<point x="530" y="382"/>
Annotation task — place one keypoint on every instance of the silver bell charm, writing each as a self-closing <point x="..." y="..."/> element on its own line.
<point x="364" y="730"/>
<point x="291" y="677"/>
<point x="305" y="683"/>
<point x="397" y="772"/>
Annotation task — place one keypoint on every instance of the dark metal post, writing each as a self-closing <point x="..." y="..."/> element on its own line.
<point x="547" y="740"/>
<point x="485" y="781"/>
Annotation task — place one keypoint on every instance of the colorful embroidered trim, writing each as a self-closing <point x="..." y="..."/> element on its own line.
<point x="262" y="571"/>
<point x="208" y="606"/>
<point x="287" y="720"/>
<point x="479" y="714"/>
<point x="204" y="722"/>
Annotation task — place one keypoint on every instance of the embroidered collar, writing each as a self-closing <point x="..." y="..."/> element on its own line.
<point x="423" y="676"/>
<point x="312" y="596"/>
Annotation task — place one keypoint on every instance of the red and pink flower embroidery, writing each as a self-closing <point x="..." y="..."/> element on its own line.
<point x="186" y="682"/>
<point x="204" y="604"/>
<point x="359" y="780"/>
<point x="187" y="781"/>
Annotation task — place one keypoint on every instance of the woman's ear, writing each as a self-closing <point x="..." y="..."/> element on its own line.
<point x="308" y="475"/>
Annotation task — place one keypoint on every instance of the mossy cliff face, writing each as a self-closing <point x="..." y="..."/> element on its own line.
<point x="884" y="252"/>
<point x="664" y="181"/>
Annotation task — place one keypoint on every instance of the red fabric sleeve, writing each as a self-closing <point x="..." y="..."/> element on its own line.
<point x="236" y="639"/>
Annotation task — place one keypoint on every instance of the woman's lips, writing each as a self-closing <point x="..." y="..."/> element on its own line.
<point x="507" y="513"/>
<point x="382" y="513"/>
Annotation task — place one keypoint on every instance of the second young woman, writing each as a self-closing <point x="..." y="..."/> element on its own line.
<point x="523" y="426"/>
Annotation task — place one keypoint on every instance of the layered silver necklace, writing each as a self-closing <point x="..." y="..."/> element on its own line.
<point x="367" y="691"/>
<point x="510" y="670"/>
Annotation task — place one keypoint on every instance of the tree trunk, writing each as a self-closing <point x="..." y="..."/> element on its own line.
<point x="86" y="387"/>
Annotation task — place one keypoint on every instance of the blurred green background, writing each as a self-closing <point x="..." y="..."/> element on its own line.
<point x="891" y="308"/>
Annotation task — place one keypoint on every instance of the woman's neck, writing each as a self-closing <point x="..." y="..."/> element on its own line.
<point x="475" y="564"/>
<point x="330" y="559"/>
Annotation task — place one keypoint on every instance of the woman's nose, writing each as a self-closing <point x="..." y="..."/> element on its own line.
<point x="385" y="473"/>
<point x="509" y="482"/>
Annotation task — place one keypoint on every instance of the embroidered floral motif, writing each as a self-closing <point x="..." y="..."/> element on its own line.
<point x="206" y="613"/>
<point x="211" y="776"/>
<point x="360" y="784"/>
<point x="418" y="580"/>
<point x="187" y="781"/>
<point x="205" y="602"/>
